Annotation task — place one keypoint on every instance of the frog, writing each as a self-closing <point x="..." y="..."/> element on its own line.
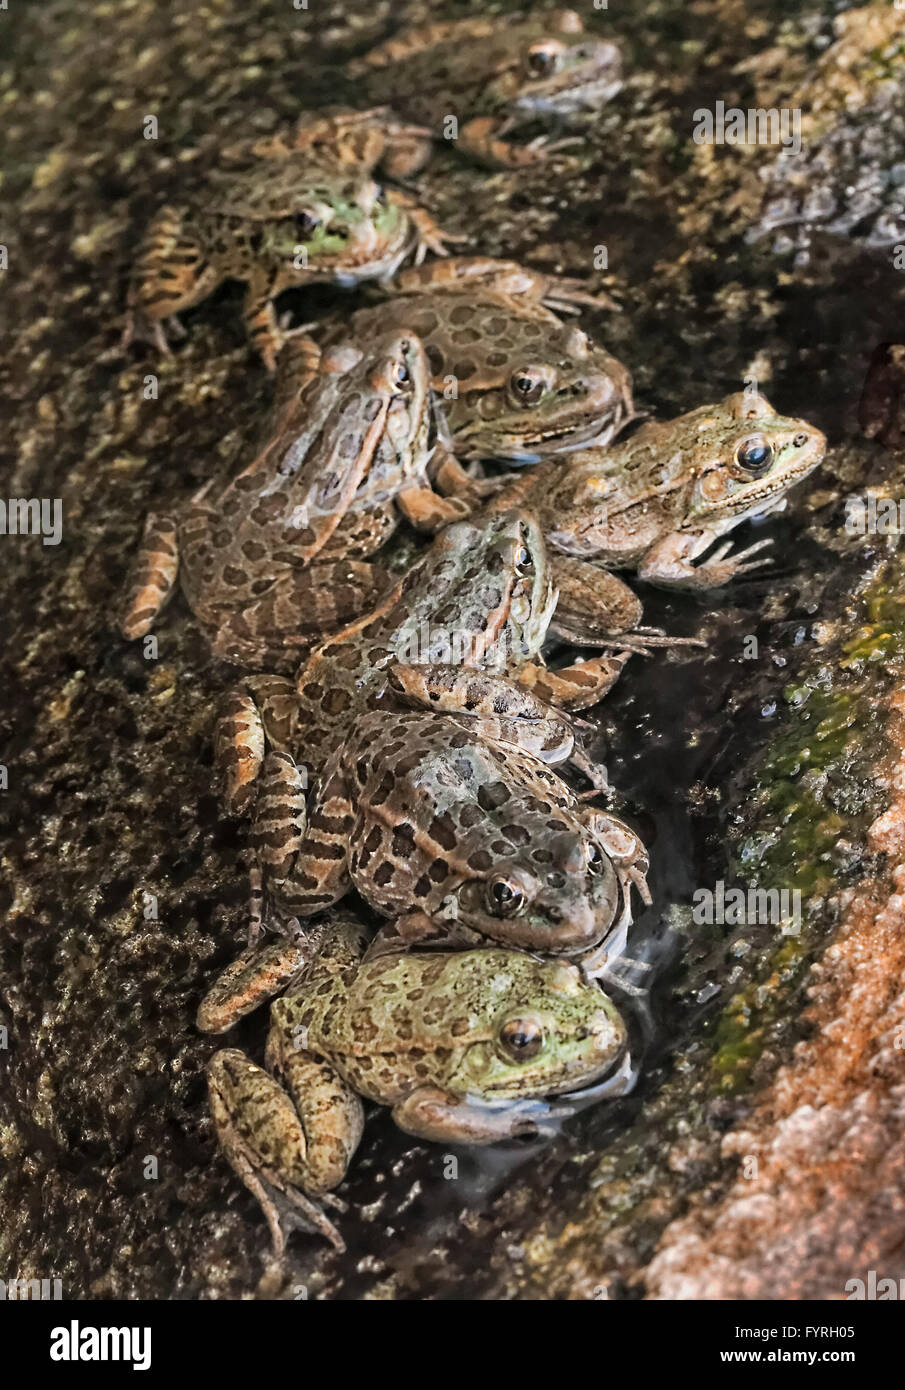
<point x="472" y="81"/>
<point x="385" y="701"/>
<point x="277" y="556"/>
<point x="654" y="502"/>
<point x="465" y="1047"/>
<point x="275" y="224"/>
<point x="513" y="381"/>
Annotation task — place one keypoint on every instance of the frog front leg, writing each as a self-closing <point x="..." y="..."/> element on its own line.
<point x="669" y="563"/>
<point x="483" y="139"/>
<point x="434" y="1114"/>
<point x="286" y="1146"/>
<point x="152" y="576"/>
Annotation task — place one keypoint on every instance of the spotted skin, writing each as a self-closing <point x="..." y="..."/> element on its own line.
<point x="513" y="381"/>
<point x="464" y="1046"/>
<point x="490" y="75"/>
<point x="488" y="585"/>
<point x="279" y="557"/>
<point x="276" y="224"/>
<point x="657" y="501"/>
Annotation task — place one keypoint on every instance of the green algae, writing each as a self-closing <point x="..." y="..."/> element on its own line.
<point x="830" y="709"/>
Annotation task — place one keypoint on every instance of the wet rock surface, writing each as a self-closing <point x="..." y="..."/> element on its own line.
<point x="121" y="892"/>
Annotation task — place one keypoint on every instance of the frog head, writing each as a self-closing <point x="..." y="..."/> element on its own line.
<point x="567" y="395"/>
<point x="563" y="71"/>
<point x="345" y="225"/>
<point x="532" y="1027"/>
<point x="741" y="457"/>
<point x="375" y="419"/>
<point x="483" y="595"/>
<point x="553" y="881"/>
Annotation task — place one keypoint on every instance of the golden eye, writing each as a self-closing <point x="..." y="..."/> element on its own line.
<point x="527" y="388"/>
<point x="521" y="1038"/>
<point x="542" y="60"/>
<point x="755" y="456"/>
<point x="504" y="898"/>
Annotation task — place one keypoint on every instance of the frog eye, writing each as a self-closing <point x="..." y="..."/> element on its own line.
<point x="595" y="858"/>
<point x="527" y="387"/>
<point x="523" y="561"/>
<point x="401" y="375"/>
<point x="504" y="898"/>
<point x="521" y="1038"/>
<point x="306" y="224"/>
<point x="754" y="456"/>
<point x="543" y="59"/>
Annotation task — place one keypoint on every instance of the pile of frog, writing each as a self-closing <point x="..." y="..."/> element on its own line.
<point x="396" y="732"/>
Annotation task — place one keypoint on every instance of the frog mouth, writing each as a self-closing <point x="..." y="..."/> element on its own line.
<point x="530" y="448"/>
<point x="757" y="495"/>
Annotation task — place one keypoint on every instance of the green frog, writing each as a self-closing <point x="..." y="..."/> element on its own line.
<point x="427" y="730"/>
<point x="275" y="224"/>
<point x="512" y="380"/>
<point x="276" y="558"/>
<point x="464" y="1046"/>
<point x="656" y="501"/>
<point x="473" y="81"/>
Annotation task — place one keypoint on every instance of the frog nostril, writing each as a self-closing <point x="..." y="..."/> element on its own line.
<point x="800" y="440"/>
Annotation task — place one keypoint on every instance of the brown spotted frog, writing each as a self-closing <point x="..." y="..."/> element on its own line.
<point x="472" y="82"/>
<point x="513" y="381"/>
<point x="655" y="502"/>
<point x="276" y="558"/>
<point x="278" y="224"/>
<point x="464" y="1046"/>
<point x="427" y="729"/>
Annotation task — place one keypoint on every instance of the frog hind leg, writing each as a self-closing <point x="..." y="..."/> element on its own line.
<point x="320" y="873"/>
<point x="594" y="604"/>
<point x="261" y="708"/>
<point x="152" y="577"/>
<point x="265" y="1140"/>
<point x="280" y="817"/>
<point x="171" y="273"/>
<point x="502" y="709"/>
<point x="434" y="1114"/>
<point x="575" y="687"/>
<point x="258" y="974"/>
<point x="276" y="630"/>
